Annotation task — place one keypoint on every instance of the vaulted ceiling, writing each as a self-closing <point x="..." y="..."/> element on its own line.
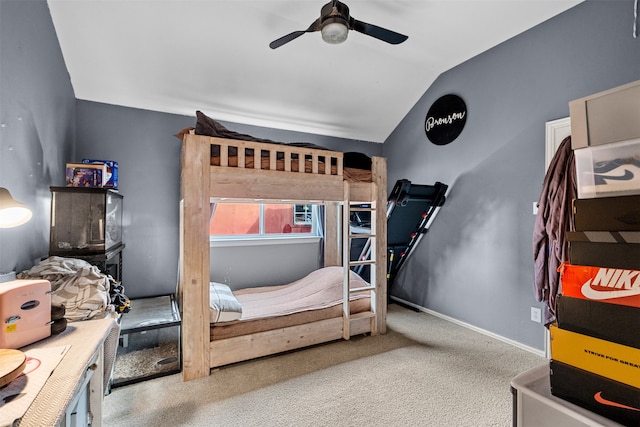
<point x="178" y="56"/>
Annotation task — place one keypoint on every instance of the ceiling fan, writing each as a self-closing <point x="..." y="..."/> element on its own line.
<point x="335" y="22"/>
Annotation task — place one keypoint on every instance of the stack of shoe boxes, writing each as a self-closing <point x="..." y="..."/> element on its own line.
<point x="595" y="345"/>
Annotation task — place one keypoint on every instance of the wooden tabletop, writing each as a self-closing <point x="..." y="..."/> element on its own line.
<point x="12" y="363"/>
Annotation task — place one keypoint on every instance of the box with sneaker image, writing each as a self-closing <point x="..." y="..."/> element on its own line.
<point x="614" y="400"/>
<point x="608" y="170"/>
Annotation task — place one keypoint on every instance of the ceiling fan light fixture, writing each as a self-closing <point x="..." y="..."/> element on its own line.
<point x="335" y="32"/>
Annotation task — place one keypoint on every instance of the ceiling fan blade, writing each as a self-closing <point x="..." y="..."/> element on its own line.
<point x="378" y="32"/>
<point x="315" y="26"/>
<point x="285" y="39"/>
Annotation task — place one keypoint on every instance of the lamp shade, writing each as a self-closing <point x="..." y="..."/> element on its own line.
<point x="12" y="212"/>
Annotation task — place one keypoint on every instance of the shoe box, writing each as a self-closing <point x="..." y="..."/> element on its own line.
<point x="606" y="321"/>
<point x="607" y="214"/>
<point x="614" y="255"/>
<point x="595" y="344"/>
<point x="607" y="232"/>
<point x="615" y="361"/>
<point x="605" y="137"/>
<point x="614" y="400"/>
<point x="606" y="117"/>
<point x="603" y="284"/>
<point x="595" y="356"/>
<point x="608" y="170"/>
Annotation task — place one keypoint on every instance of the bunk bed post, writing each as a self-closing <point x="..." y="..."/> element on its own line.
<point x="379" y="174"/>
<point x="332" y="255"/>
<point x="194" y="277"/>
<point x="346" y="265"/>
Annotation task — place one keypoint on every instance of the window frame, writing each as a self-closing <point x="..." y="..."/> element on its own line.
<point x="271" y="238"/>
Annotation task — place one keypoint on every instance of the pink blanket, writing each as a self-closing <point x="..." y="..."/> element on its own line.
<point x="319" y="289"/>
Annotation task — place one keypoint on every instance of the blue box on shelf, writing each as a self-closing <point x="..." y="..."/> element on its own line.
<point x="111" y="180"/>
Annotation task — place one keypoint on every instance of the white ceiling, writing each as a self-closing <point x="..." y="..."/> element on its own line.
<point x="178" y="56"/>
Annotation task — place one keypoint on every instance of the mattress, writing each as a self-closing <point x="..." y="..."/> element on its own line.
<point x="317" y="296"/>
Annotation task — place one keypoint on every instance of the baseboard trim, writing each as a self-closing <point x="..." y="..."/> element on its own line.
<point x="469" y="326"/>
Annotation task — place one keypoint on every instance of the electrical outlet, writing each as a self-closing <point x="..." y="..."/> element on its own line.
<point x="535" y="208"/>
<point x="536" y="315"/>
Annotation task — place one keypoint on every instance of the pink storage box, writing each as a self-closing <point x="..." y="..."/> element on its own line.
<point x="25" y="312"/>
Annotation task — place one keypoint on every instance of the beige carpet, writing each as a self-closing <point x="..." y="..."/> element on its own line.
<point x="424" y="372"/>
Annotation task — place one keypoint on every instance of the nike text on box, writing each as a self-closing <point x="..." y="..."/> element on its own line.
<point x="607" y="214"/>
<point x="611" y="360"/>
<point x="611" y="285"/>
<point x="610" y="322"/>
<point x="608" y="170"/>
<point x="615" y="255"/>
<point x="612" y="399"/>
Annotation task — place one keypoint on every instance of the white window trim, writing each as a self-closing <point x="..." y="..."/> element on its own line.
<point x="267" y="239"/>
<point x="278" y="239"/>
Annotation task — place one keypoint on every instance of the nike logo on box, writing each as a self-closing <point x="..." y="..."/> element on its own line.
<point x="601" y="179"/>
<point x="595" y="294"/>
<point x="598" y="398"/>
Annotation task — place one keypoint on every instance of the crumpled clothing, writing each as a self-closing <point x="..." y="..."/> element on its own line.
<point x="77" y="285"/>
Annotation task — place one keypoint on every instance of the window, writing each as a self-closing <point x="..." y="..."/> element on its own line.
<point x="254" y="220"/>
<point x="302" y="215"/>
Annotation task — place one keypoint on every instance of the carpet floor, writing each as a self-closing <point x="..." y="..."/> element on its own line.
<point x="424" y="371"/>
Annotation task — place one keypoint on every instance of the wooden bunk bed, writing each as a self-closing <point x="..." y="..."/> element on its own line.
<point x="218" y="168"/>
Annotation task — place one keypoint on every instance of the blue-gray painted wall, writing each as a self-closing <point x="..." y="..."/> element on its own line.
<point x="476" y="262"/>
<point x="37" y="124"/>
<point x="474" y="265"/>
<point x="148" y="155"/>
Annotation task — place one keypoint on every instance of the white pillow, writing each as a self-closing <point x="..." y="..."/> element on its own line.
<point x="224" y="307"/>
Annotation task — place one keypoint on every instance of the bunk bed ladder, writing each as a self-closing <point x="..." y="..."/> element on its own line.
<point x="427" y="199"/>
<point x="349" y="319"/>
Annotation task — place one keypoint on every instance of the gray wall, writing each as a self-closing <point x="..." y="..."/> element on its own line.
<point x="37" y="124"/>
<point x="244" y="266"/>
<point x="148" y="156"/>
<point x="476" y="263"/>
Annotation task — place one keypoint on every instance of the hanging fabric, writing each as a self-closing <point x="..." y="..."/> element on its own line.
<point x="553" y="221"/>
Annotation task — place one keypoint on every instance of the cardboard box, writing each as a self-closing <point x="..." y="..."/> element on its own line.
<point x="607" y="214"/>
<point x="604" y="236"/>
<point x="610" y="285"/>
<point x="613" y="255"/>
<point x="611" y="360"/>
<point x="603" y="320"/>
<point x="112" y="171"/>
<point x="86" y="175"/>
<point x="606" y="117"/>
<point x="608" y="170"/>
<point x="612" y="399"/>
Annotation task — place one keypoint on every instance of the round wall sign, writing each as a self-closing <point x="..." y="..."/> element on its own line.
<point x="445" y="119"/>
